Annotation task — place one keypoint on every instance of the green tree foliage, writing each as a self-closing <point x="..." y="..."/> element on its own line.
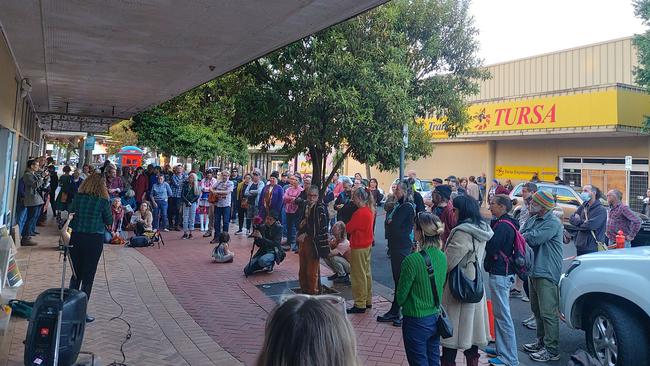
<point x="351" y="88"/>
<point x="121" y="135"/>
<point x="194" y="124"/>
<point x="642" y="43"/>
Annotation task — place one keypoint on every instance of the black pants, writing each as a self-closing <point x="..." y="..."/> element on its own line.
<point x="241" y="212"/>
<point x="396" y="259"/>
<point x="84" y="254"/>
<point x="449" y="355"/>
<point x="175" y="212"/>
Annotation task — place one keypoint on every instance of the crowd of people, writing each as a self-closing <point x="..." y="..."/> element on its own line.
<point x="438" y="244"/>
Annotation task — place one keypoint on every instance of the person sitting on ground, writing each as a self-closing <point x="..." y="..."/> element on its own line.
<point x="117" y="211"/>
<point x="221" y="252"/>
<point x="308" y="330"/>
<point x="268" y="238"/>
<point x="142" y="220"/>
<point x="339" y="258"/>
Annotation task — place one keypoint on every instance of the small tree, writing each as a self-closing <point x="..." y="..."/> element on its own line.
<point x="121" y="135"/>
<point x="352" y="87"/>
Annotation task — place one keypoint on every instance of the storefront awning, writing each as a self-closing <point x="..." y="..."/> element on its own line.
<point x="116" y="58"/>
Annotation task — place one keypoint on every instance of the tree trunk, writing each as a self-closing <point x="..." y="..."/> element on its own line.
<point x="368" y="176"/>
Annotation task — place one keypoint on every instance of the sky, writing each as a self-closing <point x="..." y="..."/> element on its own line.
<point x="512" y="29"/>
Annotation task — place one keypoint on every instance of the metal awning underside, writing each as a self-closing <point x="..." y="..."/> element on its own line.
<point x="114" y="58"/>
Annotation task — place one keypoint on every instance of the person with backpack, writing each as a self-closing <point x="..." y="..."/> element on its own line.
<point x="544" y="234"/>
<point x="499" y="263"/>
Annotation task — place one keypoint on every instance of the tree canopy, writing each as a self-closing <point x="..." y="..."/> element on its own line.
<point x="642" y="43"/>
<point x="351" y="88"/>
<point x="194" y="124"/>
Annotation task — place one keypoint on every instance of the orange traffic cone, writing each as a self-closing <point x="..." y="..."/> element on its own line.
<point x="491" y="319"/>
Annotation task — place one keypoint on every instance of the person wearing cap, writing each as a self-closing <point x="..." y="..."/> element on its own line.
<point x="436" y="182"/>
<point x="271" y="196"/>
<point x="544" y="234"/>
<point x="268" y="238"/>
<point x="444" y="208"/>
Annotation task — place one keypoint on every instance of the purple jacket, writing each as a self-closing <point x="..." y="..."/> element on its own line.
<point x="276" y="200"/>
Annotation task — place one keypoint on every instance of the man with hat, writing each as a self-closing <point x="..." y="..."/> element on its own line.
<point x="544" y="234"/>
<point x="267" y="238"/>
<point x="271" y="196"/>
<point x="444" y="209"/>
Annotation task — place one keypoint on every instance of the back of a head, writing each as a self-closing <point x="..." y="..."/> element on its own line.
<point x="468" y="210"/>
<point x="307" y="331"/>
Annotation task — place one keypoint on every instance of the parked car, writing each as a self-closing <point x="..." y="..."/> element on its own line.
<point x="606" y="295"/>
<point x="421" y="185"/>
<point x="642" y="238"/>
<point x="567" y="199"/>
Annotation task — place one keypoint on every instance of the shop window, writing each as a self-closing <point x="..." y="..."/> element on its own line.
<point x="6" y="173"/>
<point x="638" y="188"/>
<point x="572" y="177"/>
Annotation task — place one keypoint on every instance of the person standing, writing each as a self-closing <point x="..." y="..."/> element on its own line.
<point x="473" y="189"/>
<point x="242" y="204"/>
<point x="67" y="190"/>
<point x="252" y="193"/>
<point x="190" y="195"/>
<point x="54" y="185"/>
<point x="113" y="182"/>
<point x="415" y="293"/>
<point x="92" y="215"/>
<point x="621" y="218"/>
<point x="32" y="201"/>
<point x="235" y="178"/>
<point x="590" y="220"/>
<point x="176" y="183"/>
<point x="160" y="193"/>
<point x="271" y="196"/>
<point x="444" y="208"/>
<point x="204" y="204"/>
<point x="343" y="199"/>
<point x="527" y="192"/>
<point x="498" y="263"/>
<point x="140" y="186"/>
<point x="482" y="182"/>
<point x="291" y="193"/>
<point x="465" y="249"/>
<point x="544" y="234"/>
<point x="223" y="189"/>
<point x="312" y="228"/>
<point x="400" y="226"/>
<point x="360" y="230"/>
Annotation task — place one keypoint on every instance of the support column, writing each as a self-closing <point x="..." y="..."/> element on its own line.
<point x="82" y="153"/>
<point x="491" y="164"/>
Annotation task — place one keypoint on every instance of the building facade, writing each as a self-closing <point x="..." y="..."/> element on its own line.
<point x="575" y="114"/>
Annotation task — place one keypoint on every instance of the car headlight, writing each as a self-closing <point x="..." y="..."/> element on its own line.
<point x="574" y="264"/>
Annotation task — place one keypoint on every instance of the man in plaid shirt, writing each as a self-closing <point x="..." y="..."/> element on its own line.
<point x="175" y="212"/>
<point x="622" y="218"/>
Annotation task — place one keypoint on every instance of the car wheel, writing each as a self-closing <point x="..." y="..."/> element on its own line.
<point x="614" y="335"/>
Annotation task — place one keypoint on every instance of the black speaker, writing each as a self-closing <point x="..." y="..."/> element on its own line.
<point x="40" y="342"/>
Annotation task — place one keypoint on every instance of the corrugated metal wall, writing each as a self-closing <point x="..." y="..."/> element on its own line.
<point x="598" y="64"/>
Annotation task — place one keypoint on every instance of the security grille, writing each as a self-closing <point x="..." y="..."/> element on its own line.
<point x="638" y="188"/>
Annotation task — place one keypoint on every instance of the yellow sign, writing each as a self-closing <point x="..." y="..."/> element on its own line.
<point x="603" y="108"/>
<point x="524" y="172"/>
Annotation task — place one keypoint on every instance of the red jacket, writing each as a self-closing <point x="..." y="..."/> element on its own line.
<point x="360" y="228"/>
<point x="449" y="219"/>
<point x="140" y="186"/>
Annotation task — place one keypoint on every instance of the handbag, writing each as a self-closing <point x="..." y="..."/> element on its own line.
<point x="443" y="324"/>
<point x="464" y="289"/>
<point x="213" y="197"/>
<point x="244" y="204"/>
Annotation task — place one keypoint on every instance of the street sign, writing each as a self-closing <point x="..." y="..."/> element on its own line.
<point x="89" y="144"/>
<point x="628" y="163"/>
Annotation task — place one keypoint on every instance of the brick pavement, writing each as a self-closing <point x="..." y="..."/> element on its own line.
<point x="232" y="310"/>
<point x="163" y="333"/>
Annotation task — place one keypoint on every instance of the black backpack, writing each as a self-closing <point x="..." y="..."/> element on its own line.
<point x="139" y="242"/>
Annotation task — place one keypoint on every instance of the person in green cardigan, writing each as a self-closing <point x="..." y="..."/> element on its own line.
<point x="415" y="294"/>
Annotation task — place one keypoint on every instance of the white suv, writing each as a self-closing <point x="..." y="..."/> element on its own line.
<point x="607" y="294"/>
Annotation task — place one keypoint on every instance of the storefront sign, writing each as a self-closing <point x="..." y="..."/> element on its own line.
<point x="602" y="108"/>
<point x="524" y="172"/>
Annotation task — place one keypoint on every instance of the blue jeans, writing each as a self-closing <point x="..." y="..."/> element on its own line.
<point x="421" y="340"/>
<point x="33" y="214"/>
<point x="291" y="228"/>
<point x="189" y="215"/>
<point x="283" y="221"/>
<point x="160" y="215"/>
<point x="504" y="328"/>
<point x="256" y="264"/>
<point x="21" y="216"/>
<point x="221" y="214"/>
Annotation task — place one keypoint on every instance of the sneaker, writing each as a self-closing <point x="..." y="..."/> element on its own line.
<point x="343" y="280"/>
<point x="496" y="361"/>
<point x="184" y="237"/>
<point x="529" y="319"/>
<point x="166" y="230"/>
<point x="207" y="234"/>
<point x="239" y="232"/>
<point x="269" y="269"/>
<point x="490" y="351"/>
<point x="532" y="325"/>
<point x="544" y="356"/>
<point x="525" y="298"/>
<point x="177" y="228"/>
<point x="515" y="294"/>
<point x="333" y="277"/>
<point x="534" y="346"/>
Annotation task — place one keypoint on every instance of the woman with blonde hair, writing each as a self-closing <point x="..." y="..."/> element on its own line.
<point x="92" y="217"/>
<point x="415" y="292"/>
<point x="190" y="196"/>
<point x="308" y="330"/>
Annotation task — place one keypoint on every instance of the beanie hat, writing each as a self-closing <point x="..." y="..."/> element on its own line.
<point x="275" y="174"/>
<point x="544" y="199"/>
<point x="444" y="190"/>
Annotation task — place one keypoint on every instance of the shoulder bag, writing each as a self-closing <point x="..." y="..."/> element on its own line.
<point x="601" y="247"/>
<point x="464" y="289"/>
<point x="444" y="325"/>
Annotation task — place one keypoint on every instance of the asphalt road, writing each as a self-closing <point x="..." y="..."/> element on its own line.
<point x="570" y="339"/>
